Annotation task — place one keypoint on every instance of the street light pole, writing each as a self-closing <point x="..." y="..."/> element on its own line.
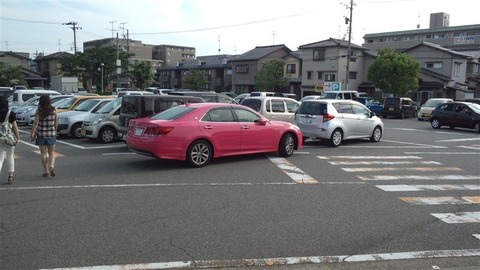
<point x="102" y="77"/>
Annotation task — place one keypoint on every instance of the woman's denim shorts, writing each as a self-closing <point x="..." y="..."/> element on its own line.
<point x="45" y="140"/>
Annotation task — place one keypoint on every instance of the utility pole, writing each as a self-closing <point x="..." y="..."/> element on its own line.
<point x="112" y="26"/>
<point x="349" y="50"/>
<point x="74" y="28"/>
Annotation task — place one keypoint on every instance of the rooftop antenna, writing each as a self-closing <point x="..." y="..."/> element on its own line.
<point x="219" y="44"/>
<point x="112" y="26"/>
<point x="123" y="28"/>
<point x="418" y="24"/>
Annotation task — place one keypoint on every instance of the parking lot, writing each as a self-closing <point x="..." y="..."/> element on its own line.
<point x="415" y="190"/>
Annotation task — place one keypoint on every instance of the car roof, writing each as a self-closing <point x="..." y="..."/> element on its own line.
<point x="269" y="97"/>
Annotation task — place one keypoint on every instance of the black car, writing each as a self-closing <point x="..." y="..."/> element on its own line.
<point x="456" y="114"/>
<point x="400" y="107"/>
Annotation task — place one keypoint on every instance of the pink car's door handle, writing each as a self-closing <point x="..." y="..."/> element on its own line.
<point x="245" y="127"/>
<point x="207" y="127"/>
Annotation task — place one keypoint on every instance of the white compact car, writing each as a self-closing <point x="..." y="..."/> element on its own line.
<point x="426" y="110"/>
<point x="337" y="120"/>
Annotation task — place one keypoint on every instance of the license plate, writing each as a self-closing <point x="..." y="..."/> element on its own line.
<point x="307" y="120"/>
<point x="84" y="132"/>
<point x="391" y="109"/>
<point x="138" y="131"/>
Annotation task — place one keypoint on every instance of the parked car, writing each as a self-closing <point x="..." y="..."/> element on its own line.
<point x="70" y="122"/>
<point x="22" y="95"/>
<point x="337" y="120"/>
<point x="199" y="132"/>
<point x="137" y="93"/>
<point x="208" y="96"/>
<point x="241" y="97"/>
<point x="473" y="100"/>
<point x="400" y="107"/>
<point x="273" y="108"/>
<point x="102" y="124"/>
<point x="429" y="105"/>
<point x="347" y="94"/>
<point x="371" y="103"/>
<point x="262" y="93"/>
<point x="144" y="106"/>
<point x="310" y="97"/>
<point x="289" y="95"/>
<point x="24" y="112"/>
<point x="72" y="102"/>
<point x="456" y="114"/>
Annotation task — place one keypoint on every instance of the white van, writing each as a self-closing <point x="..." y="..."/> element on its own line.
<point x="20" y="96"/>
<point x="339" y="95"/>
<point x="129" y="93"/>
<point x="273" y="108"/>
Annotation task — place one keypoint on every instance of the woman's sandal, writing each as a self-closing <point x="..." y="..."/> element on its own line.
<point x="10" y="179"/>
<point x="45" y="174"/>
<point x="52" y="171"/>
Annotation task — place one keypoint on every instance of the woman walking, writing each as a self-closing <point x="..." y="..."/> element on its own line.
<point x="7" y="151"/>
<point x="44" y="132"/>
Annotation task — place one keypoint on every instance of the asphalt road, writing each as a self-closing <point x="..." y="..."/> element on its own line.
<point x="396" y="204"/>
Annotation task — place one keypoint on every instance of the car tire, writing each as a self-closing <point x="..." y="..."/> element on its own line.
<point x="476" y="126"/>
<point x="419" y="119"/>
<point x="376" y="134"/>
<point x="435" y="123"/>
<point x="286" y="145"/>
<point x="76" y="131"/>
<point x="107" y="135"/>
<point x="336" y="138"/>
<point x="199" y="153"/>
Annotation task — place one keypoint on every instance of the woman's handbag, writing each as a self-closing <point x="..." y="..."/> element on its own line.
<point x="6" y="133"/>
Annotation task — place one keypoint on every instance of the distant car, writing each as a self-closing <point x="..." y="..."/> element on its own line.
<point x="289" y="95"/>
<point x="427" y="107"/>
<point x="199" y="132"/>
<point x="273" y="108"/>
<point x="371" y="104"/>
<point x="70" y="122"/>
<point x="310" y="97"/>
<point x="136" y="93"/>
<point x="456" y="114"/>
<point x="347" y="94"/>
<point x="473" y="100"/>
<point x="337" y="120"/>
<point x="400" y="107"/>
<point x="261" y="93"/>
<point x="240" y="97"/>
<point x="103" y="124"/>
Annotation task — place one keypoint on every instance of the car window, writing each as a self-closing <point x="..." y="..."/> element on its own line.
<point x="347" y="95"/>
<point x="172" y="113"/>
<point x="278" y="106"/>
<point x="345" y="108"/>
<point x="291" y="106"/>
<point x="446" y="107"/>
<point x="86" y="106"/>
<point x="253" y="103"/>
<point x="245" y="115"/>
<point x="359" y="109"/>
<point x="392" y="102"/>
<point x="219" y="115"/>
<point x="312" y="108"/>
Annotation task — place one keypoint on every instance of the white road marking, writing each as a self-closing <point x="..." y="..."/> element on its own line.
<point x="459" y="140"/>
<point x="396" y="188"/>
<point x="293" y="171"/>
<point x="113" y="154"/>
<point x="469" y="147"/>
<point x="459" y="217"/>
<point x="441" y="200"/>
<point x="419" y="177"/>
<point x="476" y="236"/>
<point x="418" y="145"/>
<point x="384" y="163"/>
<point x="369" y="157"/>
<point x="391" y="169"/>
<point x="442" y="153"/>
<point x="279" y="261"/>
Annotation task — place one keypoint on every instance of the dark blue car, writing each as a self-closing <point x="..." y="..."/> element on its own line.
<point x="372" y="104"/>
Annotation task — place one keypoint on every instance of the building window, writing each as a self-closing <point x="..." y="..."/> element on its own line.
<point x="318" y="54"/>
<point x="291" y="68"/>
<point x="353" y="56"/>
<point x="352" y="75"/>
<point x="309" y="75"/>
<point x="329" y="77"/>
<point x="456" y="69"/>
<point x="241" y="69"/>
<point x="434" y="65"/>
<point x="319" y="75"/>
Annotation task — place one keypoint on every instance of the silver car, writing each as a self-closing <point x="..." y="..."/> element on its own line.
<point x="337" y="120"/>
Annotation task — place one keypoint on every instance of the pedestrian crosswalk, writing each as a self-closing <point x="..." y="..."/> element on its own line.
<point x="411" y="173"/>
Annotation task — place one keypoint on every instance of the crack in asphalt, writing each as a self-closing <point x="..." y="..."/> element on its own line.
<point x="184" y="251"/>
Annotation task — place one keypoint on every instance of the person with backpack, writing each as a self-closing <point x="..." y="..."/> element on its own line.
<point x="7" y="149"/>
<point x="44" y="132"/>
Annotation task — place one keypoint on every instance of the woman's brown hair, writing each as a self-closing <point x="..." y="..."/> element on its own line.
<point x="45" y="107"/>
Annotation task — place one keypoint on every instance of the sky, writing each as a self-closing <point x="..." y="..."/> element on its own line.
<point x="213" y="26"/>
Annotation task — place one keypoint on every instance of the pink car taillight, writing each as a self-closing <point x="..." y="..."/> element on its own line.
<point x="328" y="117"/>
<point x="157" y="131"/>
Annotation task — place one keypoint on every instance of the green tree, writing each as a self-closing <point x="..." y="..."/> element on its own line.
<point x="87" y="65"/>
<point x="141" y="74"/>
<point x="11" y="75"/>
<point x="195" y="79"/>
<point x="270" y="77"/>
<point x="394" y="72"/>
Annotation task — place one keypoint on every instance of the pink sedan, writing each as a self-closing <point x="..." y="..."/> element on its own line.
<point x="198" y="132"/>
